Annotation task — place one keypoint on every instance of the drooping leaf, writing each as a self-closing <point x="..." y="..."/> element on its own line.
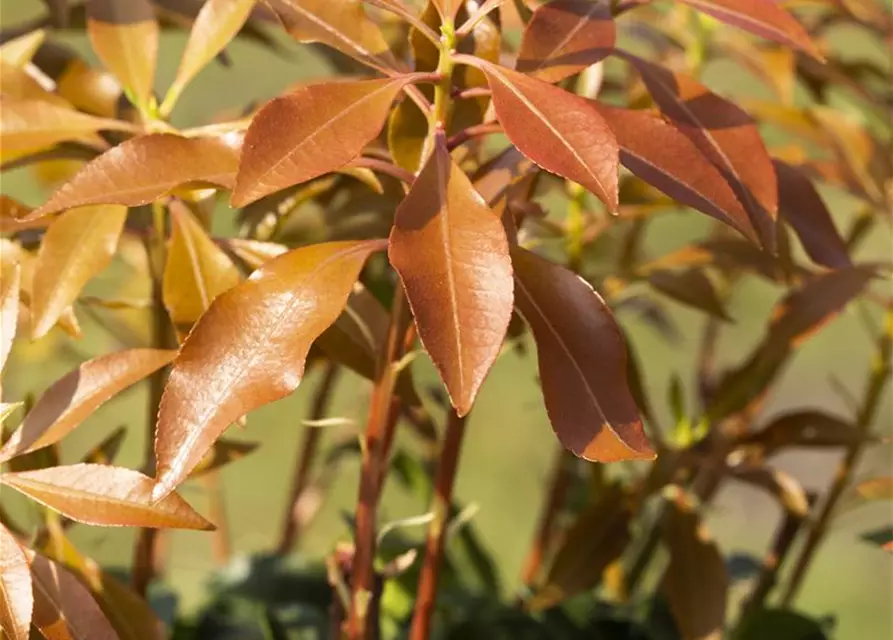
<point x="28" y="126"/>
<point x="784" y="487"/>
<point x="249" y="349"/>
<point x="695" y="583"/>
<point x="78" y="245"/>
<point x="595" y="540"/>
<point x="103" y="495"/>
<point x="806" y="428"/>
<point x="216" y="24"/>
<point x="316" y="129"/>
<point x="691" y="287"/>
<point x="145" y="168"/>
<point x="451" y="254"/>
<point x="658" y="153"/>
<point x="10" y="284"/>
<point x="63" y="607"/>
<point x="880" y="488"/>
<point x="564" y="37"/>
<point x="764" y="18"/>
<point x="78" y="394"/>
<point x="221" y="454"/>
<point x="561" y="132"/>
<point x="779" y="624"/>
<point x="582" y="362"/>
<point x="16" y="599"/>
<point x="125" y="37"/>
<point x="196" y="272"/>
<point x="725" y="134"/>
<point x="800" y="204"/>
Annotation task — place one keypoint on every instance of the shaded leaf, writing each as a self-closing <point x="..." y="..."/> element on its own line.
<point x="145" y="168"/>
<point x="107" y="450"/>
<point x="221" y="454"/>
<point x="10" y="284"/>
<point x="725" y="134"/>
<point x="12" y="214"/>
<point x="595" y="540"/>
<point x="784" y="487"/>
<point x="564" y="37"/>
<point x="16" y="599"/>
<point x="800" y="204"/>
<point x="451" y="254"/>
<point x="196" y="271"/>
<point x="124" y="35"/>
<point x="316" y="129"/>
<point x="658" y="153"/>
<point x="561" y="132"/>
<point x="876" y="489"/>
<point x="764" y="18"/>
<point x="107" y="496"/>
<point x="17" y="84"/>
<point x="216" y="24"/>
<point x="249" y="349"/>
<point x="691" y="287"/>
<point x="806" y="428"/>
<point x="695" y="583"/>
<point x="63" y="607"/>
<point x="75" y="396"/>
<point x="779" y="624"/>
<point x="78" y="245"/>
<point x="253" y="253"/>
<point x="407" y="133"/>
<point x="356" y="337"/>
<point x="582" y="362"/>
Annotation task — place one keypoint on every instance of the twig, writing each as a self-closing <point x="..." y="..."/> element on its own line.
<point x="474" y="131"/>
<point x="443" y="494"/>
<point x="383" y="166"/>
<point x="221" y="546"/>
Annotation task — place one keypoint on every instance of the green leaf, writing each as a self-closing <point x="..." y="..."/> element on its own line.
<point x="779" y="624"/>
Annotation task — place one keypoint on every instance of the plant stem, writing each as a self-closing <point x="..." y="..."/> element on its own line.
<point x="426" y="596"/>
<point x="306" y="457"/>
<point x="475" y="131"/>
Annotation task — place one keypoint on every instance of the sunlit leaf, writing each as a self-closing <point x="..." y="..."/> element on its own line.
<point x="75" y="396"/>
<point x="876" y="489"/>
<point x="784" y="487"/>
<point x="222" y="453"/>
<point x="452" y="256"/>
<point x="253" y="253"/>
<point x="564" y="37"/>
<point x="559" y="131"/>
<point x="658" y="153"/>
<point x="63" y="607"/>
<point x="78" y="245"/>
<point x="19" y="51"/>
<point x="249" y="349"/>
<point x="10" y="283"/>
<point x="216" y="24"/>
<point x="102" y="495"/>
<point x="695" y="583"/>
<point x="805" y="428"/>
<point x="16" y="599"/>
<point x="196" y="272"/>
<point x="764" y="18"/>
<point x="690" y="287"/>
<point x="145" y="168"/>
<point x="800" y="204"/>
<point x="124" y="36"/>
<point x="582" y="362"/>
<point x="316" y="129"/>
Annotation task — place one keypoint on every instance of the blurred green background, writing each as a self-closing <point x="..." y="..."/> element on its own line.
<point x="509" y="445"/>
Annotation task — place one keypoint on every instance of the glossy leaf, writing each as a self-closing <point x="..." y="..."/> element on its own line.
<point x="16" y="599"/>
<point x="806" y="428"/>
<point x="216" y="24"/>
<point x="784" y="487"/>
<point x="124" y="35"/>
<point x="561" y="132"/>
<point x="78" y="245"/>
<point x="691" y="287"/>
<point x="800" y="204"/>
<point x="63" y="607"/>
<point x="107" y="496"/>
<point x="582" y="362"/>
<point x="876" y="489"/>
<point x="196" y="272"/>
<point x="314" y="130"/>
<point x="145" y="168"/>
<point x="249" y="349"/>
<point x="695" y="583"/>
<point x="10" y="284"/>
<point x="764" y="18"/>
<point x="451" y="254"/>
<point x="725" y="134"/>
<point x="658" y="153"/>
<point x="75" y="396"/>
<point x="564" y="37"/>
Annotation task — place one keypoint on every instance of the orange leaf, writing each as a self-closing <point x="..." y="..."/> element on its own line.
<point x="582" y="362"/>
<point x="107" y="496"/>
<point x="16" y="599"/>
<point x="10" y="284"/>
<point x="249" y="349"/>
<point x="877" y="488"/>
<point x="560" y="131"/>
<point x="564" y="37"/>
<point x="124" y="36"/>
<point x="12" y="214"/>
<point x="75" y="396"/>
<point x="145" y="168"/>
<point x="78" y="245"/>
<point x="452" y="256"/>
<point x="316" y="129"/>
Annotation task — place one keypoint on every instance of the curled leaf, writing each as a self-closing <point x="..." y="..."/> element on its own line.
<point x="582" y="362"/>
<point x="107" y="496"/>
<point x="16" y="599"/>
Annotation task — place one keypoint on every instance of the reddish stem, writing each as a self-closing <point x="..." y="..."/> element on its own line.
<point x="383" y="166"/>
<point x="475" y="131"/>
